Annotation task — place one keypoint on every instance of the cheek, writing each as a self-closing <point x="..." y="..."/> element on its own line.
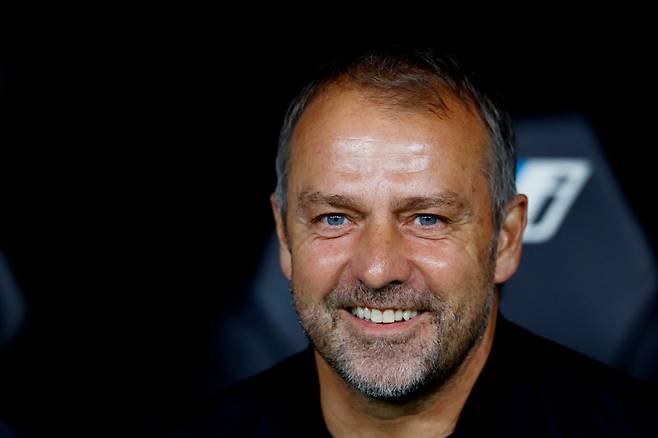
<point x="434" y="259"/>
<point x="318" y="265"/>
<point x="433" y="263"/>
<point x="447" y="267"/>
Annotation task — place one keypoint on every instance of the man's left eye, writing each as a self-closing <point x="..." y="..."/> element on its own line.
<point x="334" y="220"/>
<point x="427" y="220"/>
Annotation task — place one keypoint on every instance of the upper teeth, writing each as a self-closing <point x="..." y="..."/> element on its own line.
<point x="385" y="316"/>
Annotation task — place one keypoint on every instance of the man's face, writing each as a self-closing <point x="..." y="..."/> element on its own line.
<point x="389" y="219"/>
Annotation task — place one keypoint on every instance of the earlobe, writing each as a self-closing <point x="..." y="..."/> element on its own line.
<point x="510" y="238"/>
<point x="284" y="251"/>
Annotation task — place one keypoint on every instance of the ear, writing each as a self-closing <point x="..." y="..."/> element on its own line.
<point x="510" y="237"/>
<point x="284" y="251"/>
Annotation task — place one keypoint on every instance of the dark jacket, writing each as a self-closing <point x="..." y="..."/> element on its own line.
<point x="529" y="387"/>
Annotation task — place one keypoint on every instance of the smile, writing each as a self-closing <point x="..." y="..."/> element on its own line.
<point x="383" y="316"/>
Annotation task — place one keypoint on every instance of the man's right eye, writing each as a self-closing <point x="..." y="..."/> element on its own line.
<point x="334" y="220"/>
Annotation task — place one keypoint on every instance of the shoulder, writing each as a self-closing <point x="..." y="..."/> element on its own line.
<point x="535" y="357"/>
<point x="277" y="402"/>
<point x="572" y="390"/>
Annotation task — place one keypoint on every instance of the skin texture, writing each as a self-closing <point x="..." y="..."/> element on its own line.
<point x="390" y="209"/>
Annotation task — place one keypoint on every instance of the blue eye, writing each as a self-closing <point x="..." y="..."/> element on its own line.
<point x="334" y="220"/>
<point x="427" y="220"/>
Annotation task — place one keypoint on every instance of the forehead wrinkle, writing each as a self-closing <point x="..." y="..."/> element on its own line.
<point x="367" y="167"/>
<point x="379" y="156"/>
<point x="367" y="146"/>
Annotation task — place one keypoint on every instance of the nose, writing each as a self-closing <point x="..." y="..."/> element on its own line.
<point x="380" y="258"/>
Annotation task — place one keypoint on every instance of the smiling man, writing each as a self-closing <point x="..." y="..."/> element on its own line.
<point x="398" y="221"/>
<point x="389" y="214"/>
<point x="392" y="239"/>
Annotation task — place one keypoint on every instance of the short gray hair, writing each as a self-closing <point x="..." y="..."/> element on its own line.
<point x="414" y="80"/>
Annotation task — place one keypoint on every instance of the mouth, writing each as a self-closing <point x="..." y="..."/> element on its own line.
<point x="383" y="316"/>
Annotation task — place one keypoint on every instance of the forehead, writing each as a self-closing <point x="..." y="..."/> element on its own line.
<point x="345" y="132"/>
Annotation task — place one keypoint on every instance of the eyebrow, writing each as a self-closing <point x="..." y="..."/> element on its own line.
<point x="447" y="199"/>
<point x="306" y="199"/>
<point x="441" y="200"/>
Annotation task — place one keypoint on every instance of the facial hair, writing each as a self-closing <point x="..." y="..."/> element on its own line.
<point x="400" y="367"/>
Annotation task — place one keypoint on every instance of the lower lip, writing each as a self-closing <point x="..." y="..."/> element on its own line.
<point x="383" y="328"/>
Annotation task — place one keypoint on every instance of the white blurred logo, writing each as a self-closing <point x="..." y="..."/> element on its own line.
<point x="552" y="185"/>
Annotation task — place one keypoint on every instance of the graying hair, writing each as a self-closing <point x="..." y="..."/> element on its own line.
<point x="413" y="80"/>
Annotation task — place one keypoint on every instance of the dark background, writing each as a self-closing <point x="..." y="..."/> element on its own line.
<point x="135" y="174"/>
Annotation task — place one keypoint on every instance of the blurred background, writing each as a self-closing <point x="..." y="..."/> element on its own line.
<point x="135" y="224"/>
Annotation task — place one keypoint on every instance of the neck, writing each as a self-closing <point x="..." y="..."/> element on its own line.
<point x="349" y="413"/>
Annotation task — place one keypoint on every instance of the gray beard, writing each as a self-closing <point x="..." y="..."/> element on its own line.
<point x="396" y="368"/>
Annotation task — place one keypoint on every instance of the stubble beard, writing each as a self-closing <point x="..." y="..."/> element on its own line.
<point x="397" y="368"/>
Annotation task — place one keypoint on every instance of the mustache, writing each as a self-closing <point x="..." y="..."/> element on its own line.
<point x="392" y="296"/>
